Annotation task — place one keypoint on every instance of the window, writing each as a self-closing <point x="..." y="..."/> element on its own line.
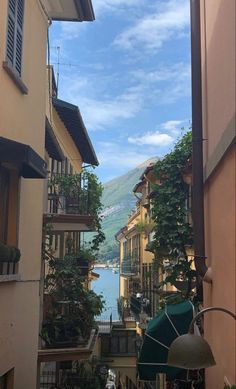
<point x="9" y="183"/>
<point x="6" y="380"/>
<point x="15" y="34"/>
<point x="120" y="343"/>
<point x="4" y="203"/>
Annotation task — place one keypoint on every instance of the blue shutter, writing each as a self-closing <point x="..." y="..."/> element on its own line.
<point x="15" y="34"/>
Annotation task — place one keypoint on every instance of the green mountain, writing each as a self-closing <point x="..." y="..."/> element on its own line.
<point x="118" y="201"/>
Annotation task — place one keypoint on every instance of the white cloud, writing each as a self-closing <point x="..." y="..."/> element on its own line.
<point x="98" y="109"/>
<point x="71" y="30"/>
<point x="152" y="138"/>
<point x="164" y="136"/>
<point x="103" y="6"/>
<point x="101" y="110"/>
<point x="171" y="125"/>
<point x="120" y="155"/>
<point x="151" y="31"/>
<point x="177" y="71"/>
<point x="174" y="127"/>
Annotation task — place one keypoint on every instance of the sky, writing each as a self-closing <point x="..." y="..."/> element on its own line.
<point x="129" y="74"/>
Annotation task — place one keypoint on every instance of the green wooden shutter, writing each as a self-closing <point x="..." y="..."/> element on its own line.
<point x="15" y="34"/>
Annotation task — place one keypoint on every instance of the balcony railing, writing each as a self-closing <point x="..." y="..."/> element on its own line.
<point x="121" y="342"/>
<point x="81" y="264"/>
<point x="66" y="196"/>
<point x="82" y="350"/>
<point x="9" y="257"/>
<point x="129" y="268"/>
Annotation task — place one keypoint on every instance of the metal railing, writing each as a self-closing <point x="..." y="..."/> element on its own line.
<point x="128" y="267"/>
<point x="66" y="201"/>
<point x="105" y="326"/>
<point x="65" y="378"/>
<point x="8" y="268"/>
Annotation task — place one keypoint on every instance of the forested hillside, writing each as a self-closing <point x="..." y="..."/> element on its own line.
<point x="118" y="201"/>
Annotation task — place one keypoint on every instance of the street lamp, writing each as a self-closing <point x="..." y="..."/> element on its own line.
<point x="191" y="351"/>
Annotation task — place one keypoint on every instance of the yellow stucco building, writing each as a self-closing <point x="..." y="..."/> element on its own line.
<point x="23" y="169"/>
<point x="137" y="274"/>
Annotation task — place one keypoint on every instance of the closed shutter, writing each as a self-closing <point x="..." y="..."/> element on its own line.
<point x="15" y="34"/>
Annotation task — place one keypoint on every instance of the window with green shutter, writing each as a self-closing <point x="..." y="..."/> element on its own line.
<point x="15" y="34"/>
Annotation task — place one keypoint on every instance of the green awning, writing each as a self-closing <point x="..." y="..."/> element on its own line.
<point x="171" y="322"/>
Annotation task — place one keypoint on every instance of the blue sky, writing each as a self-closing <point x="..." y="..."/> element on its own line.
<point x="129" y="73"/>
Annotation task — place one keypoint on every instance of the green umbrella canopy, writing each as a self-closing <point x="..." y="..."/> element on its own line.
<point x="171" y="322"/>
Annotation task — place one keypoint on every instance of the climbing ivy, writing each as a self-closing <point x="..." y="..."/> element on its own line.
<point x="173" y="232"/>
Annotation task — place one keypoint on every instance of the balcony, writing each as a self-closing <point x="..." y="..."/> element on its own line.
<point x="82" y="264"/>
<point x="121" y="343"/>
<point x="70" y="206"/>
<point x="129" y="268"/>
<point x="70" y="352"/>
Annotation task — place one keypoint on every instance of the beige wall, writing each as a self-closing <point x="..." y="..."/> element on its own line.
<point x="218" y="67"/>
<point x="22" y="118"/>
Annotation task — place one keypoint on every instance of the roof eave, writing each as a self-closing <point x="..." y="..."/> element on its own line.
<point x="89" y="157"/>
<point x="84" y="9"/>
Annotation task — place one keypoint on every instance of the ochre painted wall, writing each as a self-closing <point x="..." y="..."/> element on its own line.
<point x="22" y="118"/>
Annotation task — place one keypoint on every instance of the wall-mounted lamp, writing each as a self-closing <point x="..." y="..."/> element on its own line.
<point x="191" y="351"/>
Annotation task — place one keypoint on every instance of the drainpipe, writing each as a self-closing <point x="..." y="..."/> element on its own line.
<point x="197" y="132"/>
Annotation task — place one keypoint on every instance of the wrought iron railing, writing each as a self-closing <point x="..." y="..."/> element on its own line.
<point x="9" y="257"/>
<point x="120" y="343"/>
<point x="64" y="198"/>
<point x="65" y="378"/>
<point x="128" y="267"/>
<point x="8" y="268"/>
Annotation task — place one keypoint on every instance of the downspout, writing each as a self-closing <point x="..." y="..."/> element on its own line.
<point x="203" y="271"/>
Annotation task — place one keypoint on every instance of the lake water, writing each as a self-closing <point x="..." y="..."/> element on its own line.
<point x="107" y="285"/>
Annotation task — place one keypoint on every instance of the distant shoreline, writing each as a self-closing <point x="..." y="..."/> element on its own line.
<point x="104" y="266"/>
